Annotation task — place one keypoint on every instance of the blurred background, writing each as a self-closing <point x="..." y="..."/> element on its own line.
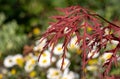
<point x="23" y="21"/>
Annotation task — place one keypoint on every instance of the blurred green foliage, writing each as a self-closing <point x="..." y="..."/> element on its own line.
<point x="10" y="39"/>
<point x="24" y="11"/>
<point x="109" y="9"/>
<point x="31" y="13"/>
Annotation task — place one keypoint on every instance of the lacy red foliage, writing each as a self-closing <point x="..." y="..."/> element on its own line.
<point x="77" y="20"/>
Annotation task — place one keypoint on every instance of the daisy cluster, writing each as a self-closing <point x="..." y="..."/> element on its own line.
<point x="99" y="59"/>
<point x="94" y="64"/>
<point x="29" y="64"/>
<point x="48" y="67"/>
<point x="53" y="68"/>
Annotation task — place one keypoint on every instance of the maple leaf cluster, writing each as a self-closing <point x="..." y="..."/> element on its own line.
<point x="91" y="32"/>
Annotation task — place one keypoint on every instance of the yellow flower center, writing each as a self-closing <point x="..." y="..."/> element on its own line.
<point x="92" y="61"/>
<point x="89" y="29"/>
<point x="44" y="61"/>
<point x="78" y="51"/>
<point x="111" y="32"/>
<point x="32" y="74"/>
<point x="56" y="73"/>
<point x="108" y="56"/>
<point x="59" y="48"/>
<point x="113" y="46"/>
<point x="44" y="55"/>
<point x="20" y="62"/>
<point x="33" y="61"/>
<point x="64" y="63"/>
<point x="72" y="46"/>
<point x="36" y="31"/>
<point x="13" y="71"/>
<point x="36" y="54"/>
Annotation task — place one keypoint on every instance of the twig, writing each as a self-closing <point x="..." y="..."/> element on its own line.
<point x="105" y="20"/>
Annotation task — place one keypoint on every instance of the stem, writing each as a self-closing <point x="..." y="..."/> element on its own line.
<point x="105" y="20"/>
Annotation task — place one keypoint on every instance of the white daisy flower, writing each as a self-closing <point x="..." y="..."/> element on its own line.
<point x="107" y="56"/>
<point x="103" y="40"/>
<point x="107" y="31"/>
<point x="66" y="30"/>
<point x="73" y="75"/>
<point x="73" y="45"/>
<point x="66" y="71"/>
<point x="17" y="57"/>
<point x="118" y="58"/>
<point x="68" y="55"/>
<point x="19" y="60"/>
<point x="91" y="42"/>
<point x="54" y="73"/>
<point x="114" y="42"/>
<point x="30" y="64"/>
<point x="41" y="41"/>
<point x="8" y="61"/>
<point x="66" y="63"/>
<point x="32" y="61"/>
<point x="66" y="77"/>
<point x="30" y="56"/>
<point x="91" y="54"/>
<point x="29" y="67"/>
<point x="50" y="47"/>
<point x="70" y="75"/>
<point x="58" y="50"/>
<point x="45" y="54"/>
<point x="40" y="44"/>
<point x="45" y="61"/>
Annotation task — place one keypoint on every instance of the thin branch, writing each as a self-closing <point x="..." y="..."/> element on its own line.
<point x="105" y="20"/>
